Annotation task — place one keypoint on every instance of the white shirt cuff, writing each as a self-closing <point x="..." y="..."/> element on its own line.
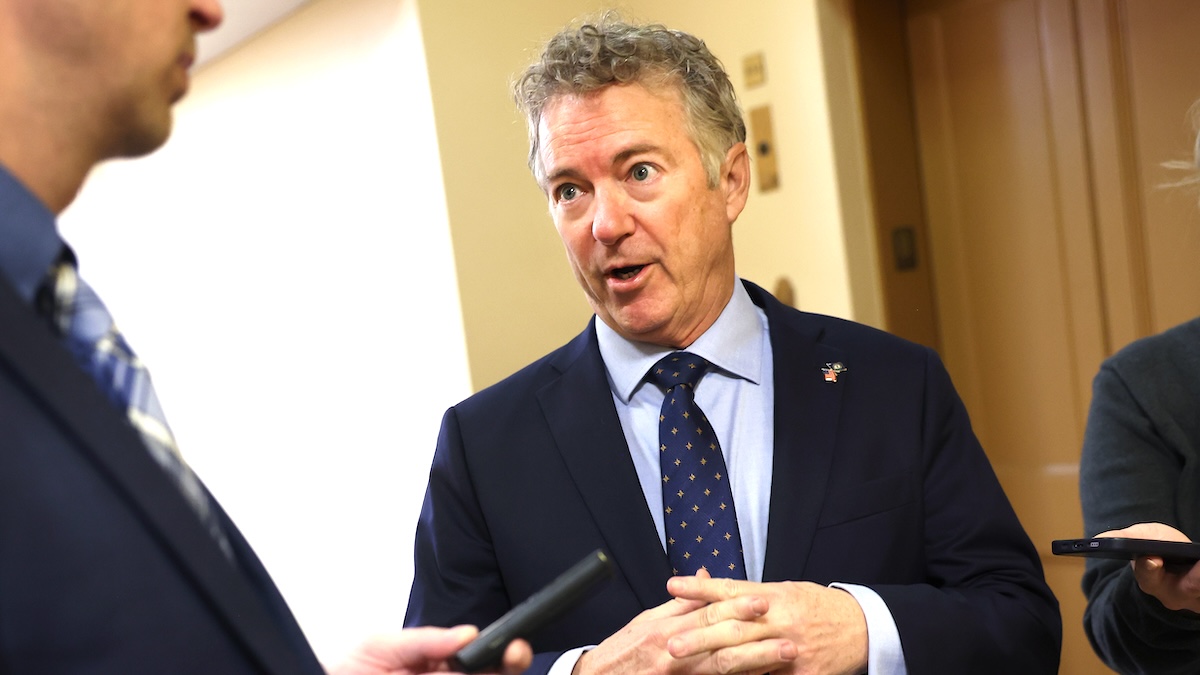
<point x="885" y="655"/>
<point x="564" y="664"/>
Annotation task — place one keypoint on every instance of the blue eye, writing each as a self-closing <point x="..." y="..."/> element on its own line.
<point x="641" y="172"/>
<point x="567" y="192"/>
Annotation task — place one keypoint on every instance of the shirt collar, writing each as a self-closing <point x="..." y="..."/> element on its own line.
<point x="29" y="240"/>
<point x="734" y="343"/>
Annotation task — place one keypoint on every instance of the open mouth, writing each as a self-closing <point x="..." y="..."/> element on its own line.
<point x="627" y="273"/>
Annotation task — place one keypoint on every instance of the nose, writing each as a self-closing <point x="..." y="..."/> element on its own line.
<point x="206" y="14"/>
<point x="611" y="220"/>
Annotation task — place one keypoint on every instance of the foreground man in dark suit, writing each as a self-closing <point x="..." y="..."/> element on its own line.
<point x="851" y="458"/>
<point x="105" y="567"/>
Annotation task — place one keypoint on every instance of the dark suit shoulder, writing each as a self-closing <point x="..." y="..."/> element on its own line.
<point x="848" y="334"/>
<point x="795" y="329"/>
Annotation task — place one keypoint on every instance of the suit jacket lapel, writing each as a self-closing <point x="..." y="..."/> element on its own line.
<point x="806" y="414"/>
<point x="33" y="354"/>
<point x="581" y="415"/>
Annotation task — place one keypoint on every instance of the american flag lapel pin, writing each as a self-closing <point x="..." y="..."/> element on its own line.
<point x="832" y="370"/>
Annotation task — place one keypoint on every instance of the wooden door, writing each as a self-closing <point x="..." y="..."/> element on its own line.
<point x="1041" y="126"/>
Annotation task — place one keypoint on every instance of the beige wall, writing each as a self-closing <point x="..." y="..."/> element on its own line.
<point x="519" y="298"/>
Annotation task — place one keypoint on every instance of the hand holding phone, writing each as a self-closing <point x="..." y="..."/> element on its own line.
<point x="1175" y="554"/>
<point x="1172" y="584"/>
<point x="536" y="611"/>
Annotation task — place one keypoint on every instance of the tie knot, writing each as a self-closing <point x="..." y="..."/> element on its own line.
<point x="678" y="368"/>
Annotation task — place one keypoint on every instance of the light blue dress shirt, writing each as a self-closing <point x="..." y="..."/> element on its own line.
<point x="738" y="398"/>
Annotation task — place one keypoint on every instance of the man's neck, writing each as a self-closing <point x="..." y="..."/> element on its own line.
<point x="44" y="144"/>
<point x="45" y="162"/>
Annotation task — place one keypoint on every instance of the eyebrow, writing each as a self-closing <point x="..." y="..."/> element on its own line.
<point x="553" y="178"/>
<point x="625" y="154"/>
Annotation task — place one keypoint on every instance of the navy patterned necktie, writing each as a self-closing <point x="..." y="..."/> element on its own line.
<point x="102" y="352"/>
<point x="700" y="521"/>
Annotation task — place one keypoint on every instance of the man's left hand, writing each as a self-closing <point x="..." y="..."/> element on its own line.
<point x="826" y="625"/>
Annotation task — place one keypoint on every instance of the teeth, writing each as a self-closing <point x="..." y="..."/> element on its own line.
<point x="625" y="273"/>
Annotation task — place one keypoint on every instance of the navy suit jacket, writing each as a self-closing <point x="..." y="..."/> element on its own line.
<point x="104" y="567"/>
<point x="878" y="480"/>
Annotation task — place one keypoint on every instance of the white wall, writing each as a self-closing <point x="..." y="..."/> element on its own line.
<point x="277" y="264"/>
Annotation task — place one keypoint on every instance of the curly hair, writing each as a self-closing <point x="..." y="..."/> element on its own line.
<point x="608" y="51"/>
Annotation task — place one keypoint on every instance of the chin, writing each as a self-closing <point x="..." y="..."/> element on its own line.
<point x="639" y="328"/>
<point x="146" y="139"/>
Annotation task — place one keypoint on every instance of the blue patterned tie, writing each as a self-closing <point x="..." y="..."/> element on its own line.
<point x="102" y="352"/>
<point x="701" y="524"/>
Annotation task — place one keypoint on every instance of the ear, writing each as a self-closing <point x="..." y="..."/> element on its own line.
<point x="735" y="180"/>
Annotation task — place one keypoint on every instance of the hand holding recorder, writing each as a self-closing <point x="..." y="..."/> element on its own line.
<point x="535" y="612"/>
<point x="426" y="650"/>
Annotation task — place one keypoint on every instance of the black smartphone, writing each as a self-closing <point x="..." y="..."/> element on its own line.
<point x="536" y="611"/>
<point x="1175" y="554"/>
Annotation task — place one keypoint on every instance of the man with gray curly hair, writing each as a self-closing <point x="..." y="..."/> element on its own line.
<point x="779" y="491"/>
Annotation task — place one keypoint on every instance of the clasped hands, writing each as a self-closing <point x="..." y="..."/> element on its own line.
<point x="727" y="626"/>
<point x="1175" y="589"/>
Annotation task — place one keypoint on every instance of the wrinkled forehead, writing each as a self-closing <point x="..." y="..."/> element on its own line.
<point x="615" y="112"/>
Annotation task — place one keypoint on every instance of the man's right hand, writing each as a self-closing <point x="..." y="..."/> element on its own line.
<point x="641" y="646"/>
